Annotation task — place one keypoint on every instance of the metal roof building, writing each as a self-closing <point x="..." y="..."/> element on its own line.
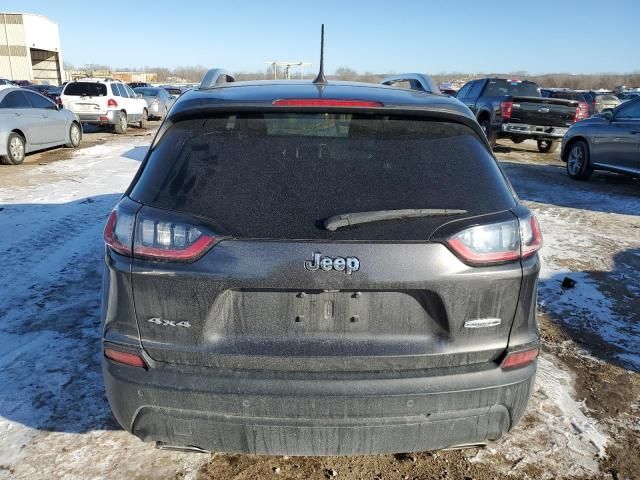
<point x="30" y="48"/>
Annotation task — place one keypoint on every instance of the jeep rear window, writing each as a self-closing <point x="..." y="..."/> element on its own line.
<point x="279" y="175"/>
<point x="88" y="89"/>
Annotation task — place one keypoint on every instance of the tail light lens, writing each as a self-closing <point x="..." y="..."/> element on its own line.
<point x="130" y="359"/>
<point x="112" y="103"/>
<point x="506" y="109"/>
<point x="118" y="233"/>
<point x="154" y="101"/>
<point x="582" y="111"/>
<point x="169" y="240"/>
<point x="58" y="101"/>
<point x="497" y="242"/>
<point x="519" y="358"/>
<point x="154" y="234"/>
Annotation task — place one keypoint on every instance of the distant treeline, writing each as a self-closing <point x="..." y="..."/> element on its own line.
<point x="579" y="81"/>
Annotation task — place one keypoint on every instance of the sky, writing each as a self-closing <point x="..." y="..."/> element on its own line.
<point x="536" y="36"/>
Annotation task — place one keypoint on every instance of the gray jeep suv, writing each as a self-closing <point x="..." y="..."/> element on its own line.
<point x="305" y="269"/>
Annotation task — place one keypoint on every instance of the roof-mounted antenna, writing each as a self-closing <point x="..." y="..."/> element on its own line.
<point x="321" y="79"/>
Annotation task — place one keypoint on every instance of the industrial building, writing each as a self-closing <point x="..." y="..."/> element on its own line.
<point x="30" y="49"/>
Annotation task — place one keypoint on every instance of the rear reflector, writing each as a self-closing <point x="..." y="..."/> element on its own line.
<point x="125" y="358"/>
<point x="326" y="102"/>
<point x="519" y="359"/>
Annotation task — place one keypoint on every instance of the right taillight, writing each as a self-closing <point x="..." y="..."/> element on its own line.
<point x="497" y="242"/>
<point x="112" y="103"/>
<point x="505" y="110"/>
<point x="154" y="234"/>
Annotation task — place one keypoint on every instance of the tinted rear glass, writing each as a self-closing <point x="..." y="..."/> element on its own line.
<point x="146" y="92"/>
<point x="281" y="175"/>
<point x="89" y="89"/>
<point x="500" y="88"/>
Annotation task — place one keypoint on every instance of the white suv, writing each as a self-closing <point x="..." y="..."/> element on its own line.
<point x="105" y="102"/>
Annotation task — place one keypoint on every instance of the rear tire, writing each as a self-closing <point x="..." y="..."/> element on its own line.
<point x="486" y="128"/>
<point x="75" y="136"/>
<point x="16" y="148"/>
<point x="578" y="161"/>
<point x="145" y="118"/>
<point x="548" y="146"/>
<point x="121" y="123"/>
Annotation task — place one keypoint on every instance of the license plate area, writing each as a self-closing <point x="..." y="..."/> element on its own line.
<point x="316" y="312"/>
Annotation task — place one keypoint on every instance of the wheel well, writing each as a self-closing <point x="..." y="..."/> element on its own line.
<point x="19" y="132"/>
<point x="568" y="146"/>
<point x="484" y="115"/>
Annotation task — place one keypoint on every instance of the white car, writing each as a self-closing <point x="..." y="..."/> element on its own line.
<point x="29" y="122"/>
<point x="105" y="102"/>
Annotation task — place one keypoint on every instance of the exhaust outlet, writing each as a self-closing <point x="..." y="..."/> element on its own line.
<point x="462" y="446"/>
<point x="180" y="448"/>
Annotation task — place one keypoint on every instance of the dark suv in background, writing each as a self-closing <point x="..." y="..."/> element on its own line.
<point x="319" y="269"/>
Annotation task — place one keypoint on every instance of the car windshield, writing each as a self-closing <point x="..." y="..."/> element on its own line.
<point x="281" y="175"/>
<point x="86" y="89"/>
<point x="146" y="92"/>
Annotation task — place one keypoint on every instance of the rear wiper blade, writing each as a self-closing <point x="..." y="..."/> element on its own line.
<point x="357" y="218"/>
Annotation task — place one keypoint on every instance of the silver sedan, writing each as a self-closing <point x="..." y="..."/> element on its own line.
<point x="31" y="122"/>
<point x="610" y="141"/>
<point x="158" y="100"/>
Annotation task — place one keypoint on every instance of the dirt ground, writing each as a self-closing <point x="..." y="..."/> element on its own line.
<point x="583" y="420"/>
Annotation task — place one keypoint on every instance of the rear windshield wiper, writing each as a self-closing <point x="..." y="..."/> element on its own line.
<point x="357" y="218"/>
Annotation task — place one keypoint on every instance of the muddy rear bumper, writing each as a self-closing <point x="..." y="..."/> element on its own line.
<point x="316" y="415"/>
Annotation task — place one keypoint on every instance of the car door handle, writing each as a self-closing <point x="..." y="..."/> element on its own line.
<point x="635" y="132"/>
<point x="45" y="116"/>
<point x="18" y="114"/>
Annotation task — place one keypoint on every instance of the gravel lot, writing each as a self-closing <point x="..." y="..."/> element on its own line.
<point x="582" y="422"/>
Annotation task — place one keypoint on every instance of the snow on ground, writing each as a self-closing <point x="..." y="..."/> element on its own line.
<point x="54" y="418"/>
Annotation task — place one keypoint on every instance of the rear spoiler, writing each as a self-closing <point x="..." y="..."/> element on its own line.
<point x="417" y="81"/>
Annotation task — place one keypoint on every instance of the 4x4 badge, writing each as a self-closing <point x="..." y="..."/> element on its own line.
<point x="168" y="323"/>
<point x="347" y="265"/>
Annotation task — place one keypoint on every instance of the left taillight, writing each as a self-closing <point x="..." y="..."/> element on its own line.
<point x="170" y="239"/>
<point x="496" y="243"/>
<point x="118" y="233"/>
<point x="149" y="233"/>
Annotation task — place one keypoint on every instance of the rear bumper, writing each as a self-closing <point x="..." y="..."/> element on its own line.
<point x="316" y="414"/>
<point x="538" y="132"/>
<point x="108" y="118"/>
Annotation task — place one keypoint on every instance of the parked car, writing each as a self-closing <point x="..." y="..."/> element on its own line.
<point x="31" y="122"/>
<point x="40" y="88"/>
<point x="175" y="91"/>
<point x="54" y="94"/>
<point x="105" y="102"/>
<point x="135" y="85"/>
<point x="514" y="109"/>
<point x="604" y="101"/>
<point x="585" y="100"/>
<point x="319" y="269"/>
<point x="158" y="100"/>
<point x="610" y="141"/>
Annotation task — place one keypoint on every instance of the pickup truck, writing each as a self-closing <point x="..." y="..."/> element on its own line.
<point x="515" y="109"/>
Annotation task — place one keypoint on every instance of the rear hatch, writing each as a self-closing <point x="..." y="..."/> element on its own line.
<point x="85" y="97"/>
<point x="552" y="112"/>
<point x="279" y="290"/>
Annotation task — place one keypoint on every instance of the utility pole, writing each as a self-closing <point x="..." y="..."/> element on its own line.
<point x="287" y="68"/>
